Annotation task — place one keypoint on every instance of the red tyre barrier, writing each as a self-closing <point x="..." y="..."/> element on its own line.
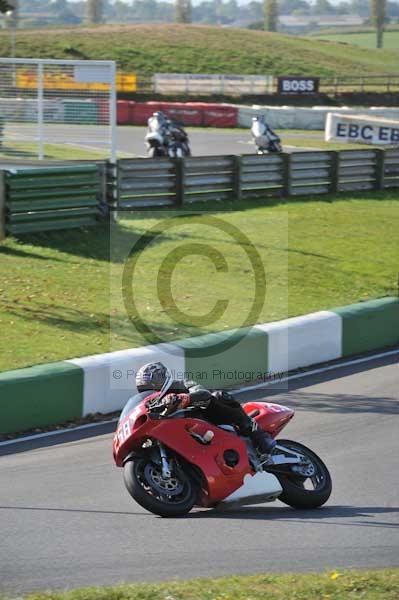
<point x="182" y="112"/>
<point x="142" y="111"/>
<point x="102" y="111"/>
<point x="122" y="112"/>
<point x="222" y="116"/>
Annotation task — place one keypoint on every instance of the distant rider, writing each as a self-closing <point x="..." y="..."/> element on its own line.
<point x="219" y="407"/>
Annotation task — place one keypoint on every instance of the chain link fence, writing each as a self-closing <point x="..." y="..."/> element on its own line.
<point x="57" y="109"/>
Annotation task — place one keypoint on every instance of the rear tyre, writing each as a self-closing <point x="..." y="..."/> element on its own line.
<point x="171" y="497"/>
<point x="155" y="152"/>
<point x="306" y="487"/>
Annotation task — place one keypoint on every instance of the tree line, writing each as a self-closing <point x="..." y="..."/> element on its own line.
<point x="43" y="12"/>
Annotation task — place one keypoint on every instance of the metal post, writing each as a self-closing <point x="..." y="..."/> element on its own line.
<point x="112" y="113"/>
<point x="40" y="112"/>
<point x="334" y="172"/>
<point x="237" y="191"/>
<point x="286" y="174"/>
<point x="2" y="206"/>
<point x="379" y="168"/>
<point x="180" y="180"/>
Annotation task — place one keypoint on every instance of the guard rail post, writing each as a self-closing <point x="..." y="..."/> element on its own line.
<point x="379" y="168"/>
<point x="334" y="171"/>
<point x="237" y="178"/>
<point x="2" y="207"/>
<point x="286" y="175"/>
<point x="180" y="180"/>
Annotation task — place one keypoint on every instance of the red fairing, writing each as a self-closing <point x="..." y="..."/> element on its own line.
<point x="221" y="480"/>
<point x="271" y="417"/>
<point x="181" y="436"/>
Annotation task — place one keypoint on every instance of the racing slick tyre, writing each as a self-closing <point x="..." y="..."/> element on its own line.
<point x="308" y="486"/>
<point x="172" y="497"/>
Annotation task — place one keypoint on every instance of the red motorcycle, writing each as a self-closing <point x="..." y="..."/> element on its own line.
<point x="173" y="462"/>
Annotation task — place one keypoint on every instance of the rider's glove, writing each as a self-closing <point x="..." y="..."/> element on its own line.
<point x="176" y="401"/>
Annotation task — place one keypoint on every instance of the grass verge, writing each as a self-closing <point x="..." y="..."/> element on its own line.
<point x="29" y="150"/>
<point x="382" y="584"/>
<point x="58" y="289"/>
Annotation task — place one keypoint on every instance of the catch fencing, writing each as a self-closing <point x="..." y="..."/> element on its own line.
<point x="57" y="107"/>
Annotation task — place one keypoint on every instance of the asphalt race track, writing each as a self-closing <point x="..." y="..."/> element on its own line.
<point x="67" y="521"/>
<point x="130" y="140"/>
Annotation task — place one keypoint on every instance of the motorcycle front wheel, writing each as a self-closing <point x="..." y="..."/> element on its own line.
<point x="155" y="152"/>
<point x="308" y="486"/>
<point x="167" y="497"/>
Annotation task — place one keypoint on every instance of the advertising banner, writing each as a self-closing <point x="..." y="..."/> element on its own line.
<point x="202" y="83"/>
<point x="298" y="85"/>
<point x="361" y="129"/>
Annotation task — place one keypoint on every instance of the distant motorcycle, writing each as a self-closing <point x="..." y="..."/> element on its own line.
<point x="265" y="139"/>
<point x="166" y="138"/>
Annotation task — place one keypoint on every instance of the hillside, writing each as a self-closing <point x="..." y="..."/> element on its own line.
<point x="187" y="48"/>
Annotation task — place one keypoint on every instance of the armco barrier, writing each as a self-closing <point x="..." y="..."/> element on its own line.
<point x="51" y="198"/>
<point x="141" y="182"/>
<point x="103" y="383"/>
<point x="39" y="396"/>
<point x="144" y="183"/>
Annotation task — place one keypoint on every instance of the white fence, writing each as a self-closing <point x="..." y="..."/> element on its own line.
<point x="57" y="108"/>
<point x="297" y="117"/>
<point x="198" y="84"/>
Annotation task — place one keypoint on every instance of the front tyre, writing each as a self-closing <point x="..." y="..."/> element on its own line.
<point x="307" y="486"/>
<point x="172" y="497"/>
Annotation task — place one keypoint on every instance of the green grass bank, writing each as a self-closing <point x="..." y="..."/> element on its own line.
<point x="381" y="584"/>
<point x="200" y="49"/>
<point x="58" y="290"/>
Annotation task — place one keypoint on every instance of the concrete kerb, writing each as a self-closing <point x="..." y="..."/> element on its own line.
<point x="54" y="393"/>
<point x="303" y="341"/>
<point x="109" y="379"/>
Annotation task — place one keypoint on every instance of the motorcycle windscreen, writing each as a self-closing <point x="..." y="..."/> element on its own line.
<point x="133" y="402"/>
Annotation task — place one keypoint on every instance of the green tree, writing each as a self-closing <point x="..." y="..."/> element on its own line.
<point x="183" y="11"/>
<point x="270" y="15"/>
<point x="94" y="11"/>
<point x="377" y="15"/>
<point x="5" y="6"/>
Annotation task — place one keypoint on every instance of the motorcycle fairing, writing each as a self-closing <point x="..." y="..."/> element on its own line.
<point x="270" y="417"/>
<point x="261" y="487"/>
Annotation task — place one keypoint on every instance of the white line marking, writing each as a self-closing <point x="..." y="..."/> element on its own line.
<point x="316" y="371"/>
<point x="240" y="391"/>
<point x="55" y="432"/>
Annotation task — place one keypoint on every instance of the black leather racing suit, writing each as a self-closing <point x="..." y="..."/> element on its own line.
<point x="221" y="408"/>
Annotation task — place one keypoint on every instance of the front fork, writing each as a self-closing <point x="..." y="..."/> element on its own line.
<point x="166" y="472"/>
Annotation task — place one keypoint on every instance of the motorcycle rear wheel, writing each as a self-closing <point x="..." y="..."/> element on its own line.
<point x="295" y="493"/>
<point x="174" y="497"/>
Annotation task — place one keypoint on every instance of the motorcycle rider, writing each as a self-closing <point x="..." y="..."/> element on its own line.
<point x="168" y="131"/>
<point x="219" y="407"/>
<point x="265" y="139"/>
